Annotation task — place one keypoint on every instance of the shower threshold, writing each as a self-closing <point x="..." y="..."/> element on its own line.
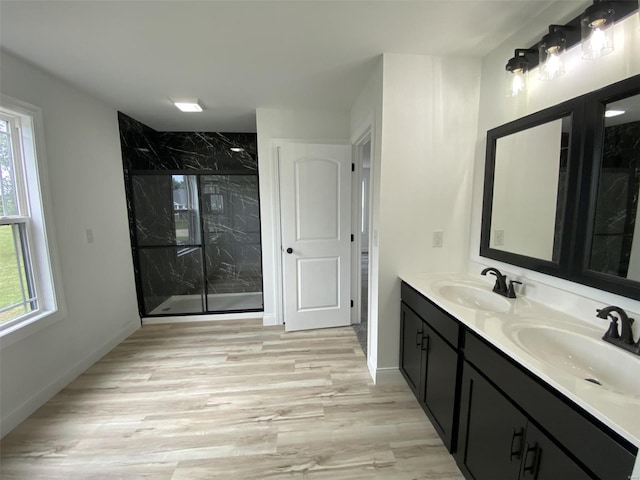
<point x="218" y="302"/>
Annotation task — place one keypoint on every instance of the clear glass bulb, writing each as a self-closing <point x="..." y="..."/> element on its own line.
<point x="598" y="42"/>
<point x="516" y="83"/>
<point x="552" y="68"/>
<point x="597" y="34"/>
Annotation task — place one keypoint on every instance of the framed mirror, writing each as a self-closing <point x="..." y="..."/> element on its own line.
<point x="530" y="174"/>
<point x="562" y="190"/>
<point x="611" y="251"/>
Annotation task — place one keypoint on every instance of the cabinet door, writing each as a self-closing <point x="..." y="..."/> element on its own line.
<point x="491" y="431"/>
<point x="440" y="383"/>
<point x="543" y="459"/>
<point x="411" y="358"/>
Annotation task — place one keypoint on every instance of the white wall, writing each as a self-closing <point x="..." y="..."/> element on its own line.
<point x="581" y="77"/>
<point x="280" y="123"/>
<point x="87" y="191"/>
<point x="429" y="125"/>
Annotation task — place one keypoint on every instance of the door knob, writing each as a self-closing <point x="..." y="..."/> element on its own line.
<point x="289" y="250"/>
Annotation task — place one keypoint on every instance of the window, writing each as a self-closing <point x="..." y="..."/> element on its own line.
<point x="27" y="290"/>
<point x="18" y="295"/>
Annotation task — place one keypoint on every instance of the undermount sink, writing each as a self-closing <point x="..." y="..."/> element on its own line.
<point x="584" y="357"/>
<point x="473" y="297"/>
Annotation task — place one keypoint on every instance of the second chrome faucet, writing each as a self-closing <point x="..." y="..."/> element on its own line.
<point x="500" y="286"/>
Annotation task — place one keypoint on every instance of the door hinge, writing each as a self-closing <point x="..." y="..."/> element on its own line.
<point x="352" y="237"/>
<point x="353" y="167"/>
<point x="351" y="303"/>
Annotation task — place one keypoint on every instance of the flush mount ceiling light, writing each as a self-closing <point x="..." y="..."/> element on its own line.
<point x="596" y="25"/>
<point x="551" y="48"/>
<point x="189" y="105"/>
<point x="517" y="68"/>
<point x="237" y="149"/>
<point x="614" y="113"/>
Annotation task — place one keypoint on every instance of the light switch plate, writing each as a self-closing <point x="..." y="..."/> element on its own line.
<point x="438" y="238"/>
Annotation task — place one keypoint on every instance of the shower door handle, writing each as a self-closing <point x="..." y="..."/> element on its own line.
<point x="289" y="250"/>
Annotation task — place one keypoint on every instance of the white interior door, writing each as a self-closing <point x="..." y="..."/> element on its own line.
<point x="315" y="209"/>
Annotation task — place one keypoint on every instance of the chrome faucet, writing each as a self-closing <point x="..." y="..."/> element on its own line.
<point x="500" y="286"/>
<point x="624" y="337"/>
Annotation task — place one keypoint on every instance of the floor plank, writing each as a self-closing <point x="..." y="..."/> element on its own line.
<point x="232" y="400"/>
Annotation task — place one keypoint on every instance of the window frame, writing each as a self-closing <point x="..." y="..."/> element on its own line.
<point x="35" y="213"/>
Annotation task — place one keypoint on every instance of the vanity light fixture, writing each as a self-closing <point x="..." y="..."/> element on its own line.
<point x="189" y="105"/>
<point x="517" y="69"/>
<point x="593" y="29"/>
<point x="550" y="49"/>
<point x="596" y="25"/>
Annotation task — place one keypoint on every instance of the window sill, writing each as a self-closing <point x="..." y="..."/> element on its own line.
<point x="29" y="326"/>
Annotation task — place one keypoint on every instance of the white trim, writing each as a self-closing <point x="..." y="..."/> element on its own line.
<point x="364" y="130"/>
<point x="277" y="234"/>
<point x="26" y="408"/>
<point x="269" y="321"/>
<point x="370" y="364"/>
<point x="356" y="251"/>
<point x="203" y="318"/>
<point x="365" y="133"/>
<point x="389" y="376"/>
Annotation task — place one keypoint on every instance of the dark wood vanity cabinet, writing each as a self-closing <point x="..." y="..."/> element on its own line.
<point x="499" y="420"/>
<point x="514" y="426"/>
<point x="497" y="440"/>
<point x="429" y="361"/>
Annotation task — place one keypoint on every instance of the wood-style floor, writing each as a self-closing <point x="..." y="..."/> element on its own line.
<point x="228" y="400"/>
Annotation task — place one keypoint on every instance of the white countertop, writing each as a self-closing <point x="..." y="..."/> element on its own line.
<point x="619" y="411"/>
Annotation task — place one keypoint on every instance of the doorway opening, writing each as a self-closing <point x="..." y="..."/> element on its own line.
<point x="361" y="326"/>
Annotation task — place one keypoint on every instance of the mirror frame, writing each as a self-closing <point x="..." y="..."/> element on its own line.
<point x="573" y="109"/>
<point x="594" y="145"/>
<point x="584" y="160"/>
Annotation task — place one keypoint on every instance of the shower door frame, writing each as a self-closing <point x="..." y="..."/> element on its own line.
<point x="136" y="248"/>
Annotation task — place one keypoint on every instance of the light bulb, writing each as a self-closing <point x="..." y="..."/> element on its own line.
<point x="517" y="83"/>
<point x="597" y="33"/>
<point x="554" y="65"/>
<point x="598" y="42"/>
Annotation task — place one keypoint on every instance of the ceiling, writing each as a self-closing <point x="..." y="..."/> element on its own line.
<point x="238" y="55"/>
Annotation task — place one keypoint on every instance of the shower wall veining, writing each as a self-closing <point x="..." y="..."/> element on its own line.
<point x="194" y="220"/>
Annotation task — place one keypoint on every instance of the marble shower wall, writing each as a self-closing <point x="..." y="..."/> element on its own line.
<point x="146" y="149"/>
<point x="178" y="183"/>
<point x="617" y="204"/>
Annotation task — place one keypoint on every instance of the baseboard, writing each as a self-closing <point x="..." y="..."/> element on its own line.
<point x="202" y="318"/>
<point x="388" y="376"/>
<point x="22" y="412"/>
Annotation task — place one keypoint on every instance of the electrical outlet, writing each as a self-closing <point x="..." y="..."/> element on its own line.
<point x="498" y="238"/>
<point x="89" y="234"/>
<point x="438" y="239"/>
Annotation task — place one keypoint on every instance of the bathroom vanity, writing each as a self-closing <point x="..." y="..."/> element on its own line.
<point x="514" y="388"/>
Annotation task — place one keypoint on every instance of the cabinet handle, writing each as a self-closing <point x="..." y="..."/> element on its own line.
<point x="531" y="467"/>
<point x="419" y="339"/>
<point x="516" y="451"/>
<point x="423" y="347"/>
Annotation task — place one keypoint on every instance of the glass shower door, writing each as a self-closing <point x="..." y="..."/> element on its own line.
<point x="169" y="243"/>
<point x="231" y="237"/>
